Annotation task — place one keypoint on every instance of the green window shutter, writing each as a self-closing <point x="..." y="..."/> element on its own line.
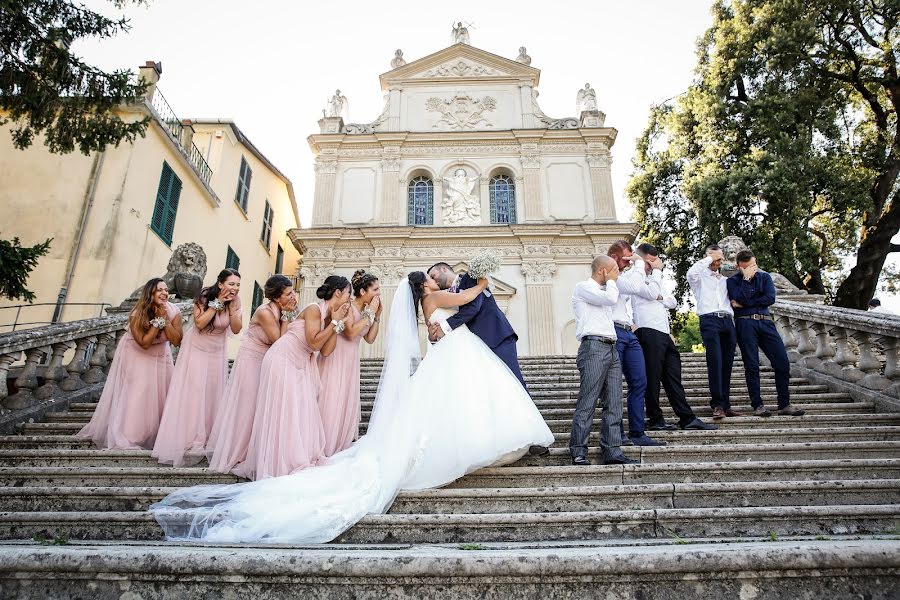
<point x="166" y="206"/>
<point x="257" y="298"/>
<point x="279" y="260"/>
<point x="174" y="197"/>
<point x="266" y="233"/>
<point x="231" y="260"/>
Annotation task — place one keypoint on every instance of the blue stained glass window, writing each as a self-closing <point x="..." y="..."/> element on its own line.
<point x="420" y="210"/>
<point x="502" y="191"/>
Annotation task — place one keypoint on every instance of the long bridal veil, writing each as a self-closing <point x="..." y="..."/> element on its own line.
<point x="319" y="503"/>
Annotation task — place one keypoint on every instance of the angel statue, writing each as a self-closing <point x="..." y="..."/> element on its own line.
<point x="338" y="105"/>
<point x="586" y="99"/>
<point x="460" y="205"/>
<point x="460" y="34"/>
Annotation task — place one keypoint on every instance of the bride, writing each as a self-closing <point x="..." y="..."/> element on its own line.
<point x="461" y="410"/>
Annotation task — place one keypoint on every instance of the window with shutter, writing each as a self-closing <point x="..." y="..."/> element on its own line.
<point x="243" y="186"/>
<point x="166" y="206"/>
<point x="279" y="260"/>
<point x="231" y="260"/>
<point x="257" y="298"/>
<point x="268" y="217"/>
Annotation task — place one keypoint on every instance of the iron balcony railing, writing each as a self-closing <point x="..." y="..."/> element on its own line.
<point x="173" y="124"/>
<point x="10" y="327"/>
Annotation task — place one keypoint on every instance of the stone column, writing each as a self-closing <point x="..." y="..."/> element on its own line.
<point x="390" y="189"/>
<point x="312" y="275"/>
<point x="601" y="185"/>
<point x="323" y="201"/>
<point x="539" y="296"/>
<point x="393" y="123"/>
<point x="531" y="169"/>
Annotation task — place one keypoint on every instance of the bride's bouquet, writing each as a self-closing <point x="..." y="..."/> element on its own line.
<point x="484" y="263"/>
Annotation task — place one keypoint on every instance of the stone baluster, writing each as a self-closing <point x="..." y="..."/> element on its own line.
<point x="869" y="363"/>
<point x="26" y="382"/>
<point x="111" y="348"/>
<point x="824" y="349"/>
<point x="844" y="357"/>
<point x="54" y="372"/>
<point x="96" y="373"/>
<point x="6" y="360"/>
<point x="783" y="324"/>
<point x="805" y="347"/>
<point x="891" y="347"/>
<point x="77" y="366"/>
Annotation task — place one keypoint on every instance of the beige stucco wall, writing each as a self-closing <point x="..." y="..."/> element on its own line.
<point x="43" y="195"/>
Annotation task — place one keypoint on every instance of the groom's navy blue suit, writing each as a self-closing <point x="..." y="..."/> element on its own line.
<point x="485" y="319"/>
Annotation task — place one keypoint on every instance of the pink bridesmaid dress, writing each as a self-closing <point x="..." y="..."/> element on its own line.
<point x="195" y="395"/>
<point x="128" y="413"/>
<point x="230" y="435"/>
<point x="339" y="399"/>
<point x="287" y="429"/>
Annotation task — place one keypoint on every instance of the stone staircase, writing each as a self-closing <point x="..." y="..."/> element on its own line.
<point x="783" y="507"/>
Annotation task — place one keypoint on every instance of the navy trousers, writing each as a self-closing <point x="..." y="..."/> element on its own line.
<point x="506" y="350"/>
<point x="753" y="336"/>
<point x="720" y="339"/>
<point x="632" y="358"/>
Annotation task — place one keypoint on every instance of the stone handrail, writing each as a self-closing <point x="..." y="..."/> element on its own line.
<point x="45" y="348"/>
<point x="853" y="350"/>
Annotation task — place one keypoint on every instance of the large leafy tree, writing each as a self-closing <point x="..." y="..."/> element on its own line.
<point x="788" y="137"/>
<point x="16" y="262"/>
<point x="46" y="89"/>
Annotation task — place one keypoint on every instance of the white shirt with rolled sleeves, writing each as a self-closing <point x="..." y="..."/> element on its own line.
<point x="634" y="283"/>
<point x="654" y="314"/>
<point x="592" y="304"/>
<point x="709" y="287"/>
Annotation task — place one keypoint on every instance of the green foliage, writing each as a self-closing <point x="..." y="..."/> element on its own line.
<point x="688" y="332"/>
<point x="44" y="88"/>
<point x="16" y="262"/>
<point x="787" y="138"/>
<point x="471" y="547"/>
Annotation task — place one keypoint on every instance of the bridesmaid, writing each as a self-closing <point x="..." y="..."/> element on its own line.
<point x="339" y="400"/>
<point x="198" y="383"/>
<point x="287" y="429"/>
<point x="230" y="436"/>
<point x="128" y="413"/>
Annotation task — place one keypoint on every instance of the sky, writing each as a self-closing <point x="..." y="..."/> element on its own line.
<point x="272" y="65"/>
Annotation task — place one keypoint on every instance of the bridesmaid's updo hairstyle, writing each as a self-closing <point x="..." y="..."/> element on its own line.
<point x="362" y="281"/>
<point x="333" y="283"/>
<point x="208" y="294"/>
<point x="417" y="285"/>
<point x="275" y="286"/>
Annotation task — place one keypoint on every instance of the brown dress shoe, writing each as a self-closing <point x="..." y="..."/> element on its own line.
<point x="790" y="411"/>
<point x="718" y="413"/>
<point x="731" y="413"/>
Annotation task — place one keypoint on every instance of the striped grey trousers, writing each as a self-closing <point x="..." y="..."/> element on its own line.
<point x="601" y="380"/>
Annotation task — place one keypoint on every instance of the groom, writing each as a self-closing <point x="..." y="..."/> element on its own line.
<point x="482" y="315"/>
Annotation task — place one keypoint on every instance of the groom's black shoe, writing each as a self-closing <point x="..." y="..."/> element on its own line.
<point x="538" y="450"/>
<point x="581" y="461"/>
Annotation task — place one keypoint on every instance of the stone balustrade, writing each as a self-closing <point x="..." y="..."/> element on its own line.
<point x="847" y="349"/>
<point x="34" y="359"/>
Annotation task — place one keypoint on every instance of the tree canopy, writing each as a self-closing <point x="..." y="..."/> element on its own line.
<point x="16" y="262"/>
<point x="788" y="137"/>
<point x="46" y="89"/>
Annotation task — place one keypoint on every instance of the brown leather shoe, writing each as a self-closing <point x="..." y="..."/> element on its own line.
<point x="790" y="411"/>
<point x="718" y="413"/>
<point x="732" y="413"/>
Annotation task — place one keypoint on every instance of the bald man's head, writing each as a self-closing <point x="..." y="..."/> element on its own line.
<point x="602" y="263"/>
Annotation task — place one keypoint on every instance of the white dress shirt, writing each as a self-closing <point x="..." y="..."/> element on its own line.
<point x="709" y="287"/>
<point x="654" y="314"/>
<point x="634" y="283"/>
<point x="592" y="304"/>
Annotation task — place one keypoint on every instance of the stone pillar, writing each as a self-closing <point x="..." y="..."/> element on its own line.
<point x="391" y="199"/>
<point x="539" y="296"/>
<point x="531" y="168"/>
<point x="26" y="382"/>
<point x="312" y="275"/>
<point x="6" y="361"/>
<point x="150" y="73"/>
<point x="393" y="123"/>
<point x="323" y="200"/>
<point x="601" y="185"/>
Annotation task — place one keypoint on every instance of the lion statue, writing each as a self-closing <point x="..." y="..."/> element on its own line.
<point x="731" y="245"/>
<point x="184" y="274"/>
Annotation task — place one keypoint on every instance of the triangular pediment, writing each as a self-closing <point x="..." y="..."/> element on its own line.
<point x="460" y="63"/>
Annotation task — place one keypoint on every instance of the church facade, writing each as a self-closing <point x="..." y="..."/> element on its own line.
<point x="463" y="158"/>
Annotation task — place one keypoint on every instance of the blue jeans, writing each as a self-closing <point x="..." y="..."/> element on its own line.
<point x="719" y="338"/>
<point x="752" y="337"/>
<point x="632" y="358"/>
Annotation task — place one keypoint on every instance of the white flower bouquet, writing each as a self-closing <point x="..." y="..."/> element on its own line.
<point x="290" y="315"/>
<point x="484" y="263"/>
<point x="217" y="305"/>
<point x="158" y="322"/>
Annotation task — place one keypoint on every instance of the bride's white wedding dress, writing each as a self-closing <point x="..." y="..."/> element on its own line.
<point x="463" y="409"/>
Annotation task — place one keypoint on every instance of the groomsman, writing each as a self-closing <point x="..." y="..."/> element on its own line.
<point x="632" y="284"/>
<point x="752" y="292"/>
<point x="661" y="357"/>
<point x="598" y="365"/>
<point x="716" y="328"/>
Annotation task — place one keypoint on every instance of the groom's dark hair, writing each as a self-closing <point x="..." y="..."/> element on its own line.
<point x="440" y="264"/>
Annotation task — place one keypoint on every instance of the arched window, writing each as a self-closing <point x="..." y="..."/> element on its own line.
<point x="420" y="204"/>
<point x="502" y="192"/>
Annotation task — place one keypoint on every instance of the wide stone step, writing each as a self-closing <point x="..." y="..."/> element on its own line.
<point x="73" y="457"/>
<point x="782" y="570"/>
<point x="795" y="470"/>
<point x="695" y="386"/>
<point x="518" y="500"/>
<point x="715" y="453"/>
<point x="509" y="527"/>
<point x="110" y="476"/>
